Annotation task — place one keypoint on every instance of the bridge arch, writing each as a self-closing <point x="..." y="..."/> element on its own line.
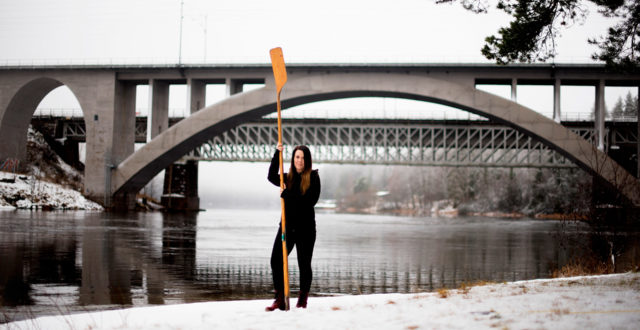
<point x="16" y="118"/>
<point x="135" y="171"/>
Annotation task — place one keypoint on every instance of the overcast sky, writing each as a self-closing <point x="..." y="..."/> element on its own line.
<point x="244" y="31"/>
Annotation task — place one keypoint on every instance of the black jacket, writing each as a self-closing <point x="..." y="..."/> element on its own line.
<point x="298" y="207"/>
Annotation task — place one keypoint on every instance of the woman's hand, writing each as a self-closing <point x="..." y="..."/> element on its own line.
<point x="279" y="147"/>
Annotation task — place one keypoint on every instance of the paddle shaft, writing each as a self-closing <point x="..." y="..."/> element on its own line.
<point x="285" y="252"/>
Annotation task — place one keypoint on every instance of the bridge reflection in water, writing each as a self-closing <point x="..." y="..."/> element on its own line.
<point x="75" y="261"/>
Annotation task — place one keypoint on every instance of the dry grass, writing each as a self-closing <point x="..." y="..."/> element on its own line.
<point x="581" y="267"/>
<point x="524" y="289"/>
<point x="563" y="311"/>
<point x="443" y="293"/>
<point x="466" y="286"/>
<point x="463" y="288"/>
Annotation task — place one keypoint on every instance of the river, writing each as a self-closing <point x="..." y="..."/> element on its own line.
<point x="64" y="262"/>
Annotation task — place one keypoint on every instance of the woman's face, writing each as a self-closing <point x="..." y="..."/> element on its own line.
<point x="298" y="161"/>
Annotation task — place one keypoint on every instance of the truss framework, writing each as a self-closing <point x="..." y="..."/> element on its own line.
<point x="389" y="143"/>
<point x="385" y="142"/>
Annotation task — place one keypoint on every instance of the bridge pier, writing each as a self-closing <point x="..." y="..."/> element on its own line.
<point x="599" y="116"/>
<point x="196" y="94"/>
<point x="557" y="112"/>
<point x="180" y="192"/>
<point x="158" y="117"/>
<point x="123" y="128"/>
<point x="180" y="188"/>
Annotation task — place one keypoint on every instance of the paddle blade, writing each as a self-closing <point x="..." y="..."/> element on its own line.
<point x="279" y="69"/>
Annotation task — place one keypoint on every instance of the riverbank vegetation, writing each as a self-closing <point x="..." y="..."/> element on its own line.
<point x="514" y="192"/>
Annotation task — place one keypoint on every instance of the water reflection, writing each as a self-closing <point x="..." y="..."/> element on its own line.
<point x="35" y="251"/>
<point x="60" y="262"/>
<point x="413" y="255"/>
<point x="148" y="254"/>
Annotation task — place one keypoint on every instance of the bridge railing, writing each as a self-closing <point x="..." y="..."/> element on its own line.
<point x="361" y="113"/>
<point x="77" y="112"/>
<point x="58" y="112"/>
<point x="588" y="116"/>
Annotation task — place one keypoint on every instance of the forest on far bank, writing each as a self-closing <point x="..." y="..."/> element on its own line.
<point x="416" y="189"/>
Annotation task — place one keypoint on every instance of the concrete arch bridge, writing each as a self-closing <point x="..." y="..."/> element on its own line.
<point x="114" y="172"/>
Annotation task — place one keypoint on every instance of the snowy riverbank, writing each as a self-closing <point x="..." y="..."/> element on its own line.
<point x="27" y="192"/>
<point x="595" y="302"/>
<point x="37" y="189"/>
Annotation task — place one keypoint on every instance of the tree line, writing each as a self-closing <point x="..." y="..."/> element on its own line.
<point x="627" y="108"/>
<point x="416" y="190"/>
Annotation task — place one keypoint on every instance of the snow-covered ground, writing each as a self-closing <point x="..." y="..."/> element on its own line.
<point x="34" y="190"/>
<point x="25" y="191"/>
<point x="597" y="302"/>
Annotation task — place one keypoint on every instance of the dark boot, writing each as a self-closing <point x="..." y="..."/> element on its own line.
<point x="278" y="303"/>
<point x="302" y="299"/>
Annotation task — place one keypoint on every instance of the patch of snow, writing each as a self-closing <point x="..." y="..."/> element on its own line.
<point x="444" y="208"/>
<point x="589" y="302"/>
<point x="27" y="192"/>
<point x="33" y="191"/>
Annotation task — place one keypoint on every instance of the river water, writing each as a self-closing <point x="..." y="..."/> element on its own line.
<point x="63" y="262"/>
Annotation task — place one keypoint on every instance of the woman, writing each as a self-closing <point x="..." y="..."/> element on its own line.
<point x="301" y="192"/>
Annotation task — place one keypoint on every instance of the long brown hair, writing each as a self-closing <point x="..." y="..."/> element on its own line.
<point x="305" y="176"/>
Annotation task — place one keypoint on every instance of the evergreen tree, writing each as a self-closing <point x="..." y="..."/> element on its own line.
<point x="531" y="35"/>
<point x="630" y="105"/>
<point x="539" y="193"/>
<point x="511" y="200"/>
<point x="461" y="185"/>
<point x="618" y="110"/>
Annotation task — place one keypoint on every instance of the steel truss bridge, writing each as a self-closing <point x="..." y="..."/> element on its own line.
<point x="388" y="142"/>
<point x="376" y="141"/>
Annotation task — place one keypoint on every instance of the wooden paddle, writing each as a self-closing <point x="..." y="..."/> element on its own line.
<point x="280" y="75"/>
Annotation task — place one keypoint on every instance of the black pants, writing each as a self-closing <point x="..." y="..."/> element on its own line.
<point x="304" y="240"/>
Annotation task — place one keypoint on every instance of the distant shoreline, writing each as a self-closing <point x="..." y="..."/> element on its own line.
<point x="453" y="213"/>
